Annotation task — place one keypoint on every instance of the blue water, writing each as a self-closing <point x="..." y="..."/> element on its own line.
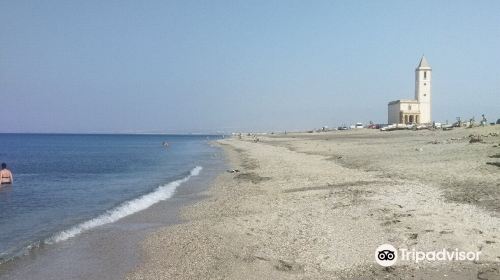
<point x="66" y="184"/>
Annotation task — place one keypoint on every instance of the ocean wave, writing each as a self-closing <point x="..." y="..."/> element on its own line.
<point x="125" y="209"/>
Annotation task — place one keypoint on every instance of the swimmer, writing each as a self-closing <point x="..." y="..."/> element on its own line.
<point x="5" y="175"/>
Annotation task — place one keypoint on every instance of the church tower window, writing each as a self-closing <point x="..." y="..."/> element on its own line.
<point x="425" y="75"/>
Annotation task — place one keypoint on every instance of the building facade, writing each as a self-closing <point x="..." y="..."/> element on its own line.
<point x="418" y="110"/>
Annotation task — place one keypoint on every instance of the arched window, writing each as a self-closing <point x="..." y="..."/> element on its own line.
<point x="425" y="75"/>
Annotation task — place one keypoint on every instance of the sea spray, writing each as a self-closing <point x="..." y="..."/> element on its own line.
<point x="125" y="209"/>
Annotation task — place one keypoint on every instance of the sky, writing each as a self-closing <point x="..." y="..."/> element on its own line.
<point x="222" y="66"/>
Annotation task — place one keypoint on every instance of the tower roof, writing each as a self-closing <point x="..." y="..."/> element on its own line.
<point x="423" y="63"/>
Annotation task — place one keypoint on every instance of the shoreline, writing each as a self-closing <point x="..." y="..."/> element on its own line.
<point x="111" y="250"/>
<point x="316" y="207"/>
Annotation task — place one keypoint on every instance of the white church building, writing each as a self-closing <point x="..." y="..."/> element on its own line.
<point x="418" y="110"/>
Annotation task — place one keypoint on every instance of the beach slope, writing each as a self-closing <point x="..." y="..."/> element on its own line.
<point x="316" y="206"/>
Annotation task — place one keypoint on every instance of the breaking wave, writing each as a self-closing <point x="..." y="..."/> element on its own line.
<point x="125" y="209"/>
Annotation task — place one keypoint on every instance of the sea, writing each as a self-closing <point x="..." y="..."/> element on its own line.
<point x="72" y="191"/>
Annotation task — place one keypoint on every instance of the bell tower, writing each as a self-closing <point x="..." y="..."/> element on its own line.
<point x="423" y="75"/>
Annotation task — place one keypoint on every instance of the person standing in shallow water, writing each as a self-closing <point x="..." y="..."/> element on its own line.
<point x="5" y="175"/>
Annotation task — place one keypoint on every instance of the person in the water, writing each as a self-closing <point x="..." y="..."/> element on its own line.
<point x="5" y="175"/>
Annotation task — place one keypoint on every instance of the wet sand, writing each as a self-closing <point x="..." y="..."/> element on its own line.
<point x="316" y="206"/>
<point x="108" y="252"/>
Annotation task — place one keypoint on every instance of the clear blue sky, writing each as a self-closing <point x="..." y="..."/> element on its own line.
<point x="181" y="66"/>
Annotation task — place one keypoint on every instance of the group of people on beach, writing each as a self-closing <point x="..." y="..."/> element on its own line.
<point x="6" y="177"/>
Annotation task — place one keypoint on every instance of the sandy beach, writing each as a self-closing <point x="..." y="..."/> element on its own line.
<point x="317" y="205"/>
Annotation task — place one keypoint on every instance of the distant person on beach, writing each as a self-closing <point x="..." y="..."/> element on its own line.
<point x="5" y="175"/>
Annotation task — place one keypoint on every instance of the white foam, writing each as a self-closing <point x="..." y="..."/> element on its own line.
<point x="127" y="208"/>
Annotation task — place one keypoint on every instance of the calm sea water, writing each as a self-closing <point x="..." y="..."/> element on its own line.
<point x="67" y="184"/>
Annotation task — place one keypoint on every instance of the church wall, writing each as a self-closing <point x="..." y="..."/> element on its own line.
<point x="393" y="113"/>
<point x="419" y="109"/>
<point x="425" y="112"/>
<point x="409" y="108"/>
<point x="423" y="78"/>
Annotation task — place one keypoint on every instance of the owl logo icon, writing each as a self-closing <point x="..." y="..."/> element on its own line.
<point x="386" y="255"/>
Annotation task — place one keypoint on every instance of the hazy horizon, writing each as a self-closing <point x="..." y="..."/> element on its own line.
<point x="224" y="66"/>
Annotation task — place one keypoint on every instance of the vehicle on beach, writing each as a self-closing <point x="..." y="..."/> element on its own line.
<point x="392" y="127"/>
<point x="422" y="126"/>
<point x="358" y="125"/>
<point x="411" y="126"/>
<point x="447" y="127"/>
